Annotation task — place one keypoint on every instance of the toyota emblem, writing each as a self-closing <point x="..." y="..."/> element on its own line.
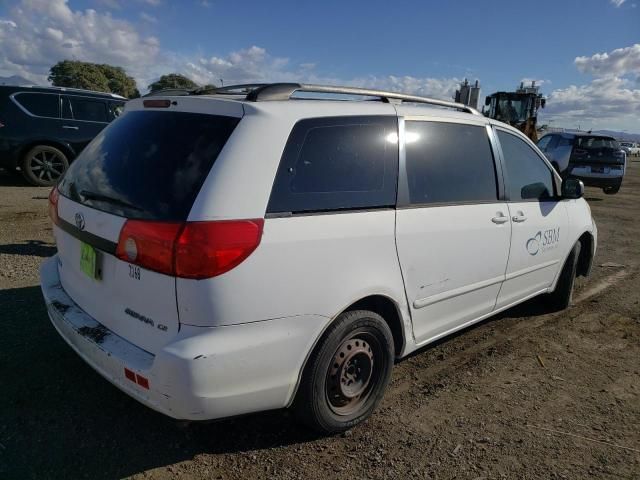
<point x="79" y="221"/>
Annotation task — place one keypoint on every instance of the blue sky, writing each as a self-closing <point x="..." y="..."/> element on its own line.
<point x="586" y="53"/>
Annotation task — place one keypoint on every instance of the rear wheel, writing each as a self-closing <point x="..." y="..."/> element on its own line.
<point x="611" y="190"/>
<point x="43" y="165"/>
<point x="347" y="374"/>
<point x="561" y="297"/>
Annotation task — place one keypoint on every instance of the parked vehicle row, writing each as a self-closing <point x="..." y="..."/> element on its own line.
<point x="597" y="160"/>
<point x="226" y="254"/>
<point x="42" y="129"/>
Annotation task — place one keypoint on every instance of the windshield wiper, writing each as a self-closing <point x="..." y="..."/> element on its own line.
<point x="107" y="199"/>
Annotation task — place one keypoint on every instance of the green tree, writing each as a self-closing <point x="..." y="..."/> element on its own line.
<point x="119" y="82"/>
<point x="92" y="76"/>
<point x="172" y="80"/>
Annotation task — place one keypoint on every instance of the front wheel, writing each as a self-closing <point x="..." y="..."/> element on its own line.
<point x="347" y="374"/>
<point x="43" y="165"/>
<point x="611" y="190"/>
<point x="561" y="297"/>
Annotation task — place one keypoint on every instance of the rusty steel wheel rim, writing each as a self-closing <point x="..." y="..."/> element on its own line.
<point x="352" y="374"/>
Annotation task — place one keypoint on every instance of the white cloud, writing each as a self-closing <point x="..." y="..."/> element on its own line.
<point x="618" y="3"/>
<point x="255" y="64"/>
<point x="600" y="103"/>
<point x="620" y="61"/>
<point x="539" y="81"/>
<point x="145" y="17"/>
<point x="41" y="32"/>
<point x="612" y="98"/>
<point x="153" y="3"/>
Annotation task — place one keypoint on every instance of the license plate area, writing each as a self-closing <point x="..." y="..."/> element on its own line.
<point x="599" y="170"/>
<point x="89" y="261"/>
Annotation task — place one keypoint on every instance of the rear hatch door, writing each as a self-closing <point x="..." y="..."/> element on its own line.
<point x="148" y="165"/>
<point x="596" y="152"/>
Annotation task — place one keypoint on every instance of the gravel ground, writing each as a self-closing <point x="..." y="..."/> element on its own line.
<point x="522" y="395"/>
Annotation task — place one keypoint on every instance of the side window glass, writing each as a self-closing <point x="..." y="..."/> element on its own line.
<point x="90" y="110"/>
<point x="543" y="143"/>
<point x="528" y="177"/>
<point x="40" y="104"/>
<point x="449" y="163"/>
<point x="336" y="163"/>
<point x="66" y="108"/>
<point x="565" y="142"/>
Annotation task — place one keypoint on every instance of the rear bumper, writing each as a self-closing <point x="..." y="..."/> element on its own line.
<point x="203" y="373"/>
<point x="598" y="180"/>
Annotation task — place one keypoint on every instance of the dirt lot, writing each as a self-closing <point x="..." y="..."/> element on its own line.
<point x="522" y="395"/>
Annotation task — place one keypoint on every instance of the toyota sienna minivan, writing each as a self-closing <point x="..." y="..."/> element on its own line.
<point x="230" y="252"/>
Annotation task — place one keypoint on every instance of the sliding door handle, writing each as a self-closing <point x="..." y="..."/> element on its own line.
<point x="500" y="218"/>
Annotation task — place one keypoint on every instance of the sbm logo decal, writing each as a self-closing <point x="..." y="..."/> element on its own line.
<point x="543" y="241"/>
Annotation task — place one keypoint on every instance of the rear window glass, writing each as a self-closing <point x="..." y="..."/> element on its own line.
<point x="148" y="165"/>
<point x="592" y="143"/>
<point x="40" y="104"/>
<point x="337" y="163"/>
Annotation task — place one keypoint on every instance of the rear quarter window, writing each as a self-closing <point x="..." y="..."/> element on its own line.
<point x="40" y="104"/>
<point x="337" y="163"/>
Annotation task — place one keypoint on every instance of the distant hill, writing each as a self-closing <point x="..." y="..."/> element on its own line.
<point x="633" y="137"/>
<point x="14" y="80"/>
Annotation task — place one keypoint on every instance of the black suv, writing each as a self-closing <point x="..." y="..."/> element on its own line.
<point x="42" y="129"/>
<point x="597" y="160"/>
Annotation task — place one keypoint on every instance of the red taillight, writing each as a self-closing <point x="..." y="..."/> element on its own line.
<point x="53" y="205"/>
<point x="149" y="244"/>
<point x="207" y="249"/>
<point x="189" y="250"/>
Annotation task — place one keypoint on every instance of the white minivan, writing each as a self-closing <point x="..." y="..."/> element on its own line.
<point x="263" y="247"/>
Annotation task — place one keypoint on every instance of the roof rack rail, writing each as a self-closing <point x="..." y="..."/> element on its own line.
<point x="284" y="91"/>
<point x="71" y="89"/>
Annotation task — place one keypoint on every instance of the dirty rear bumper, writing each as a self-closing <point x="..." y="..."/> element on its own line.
<point x="203" y="373"/>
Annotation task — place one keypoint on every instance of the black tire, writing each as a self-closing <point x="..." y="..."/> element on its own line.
<point x="347" y="374"/>
<point x="611" y="190"/>
<point x="43" y="165"/>
<point x="561" y="297"/>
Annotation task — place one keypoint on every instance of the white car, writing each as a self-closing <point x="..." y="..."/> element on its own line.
<point x="231" y="253"/>
<point x="630" y="148"/>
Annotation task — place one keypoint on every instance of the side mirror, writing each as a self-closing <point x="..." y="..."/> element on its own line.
<point x="572" y="188"/>
<point x="487" y="101"/>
